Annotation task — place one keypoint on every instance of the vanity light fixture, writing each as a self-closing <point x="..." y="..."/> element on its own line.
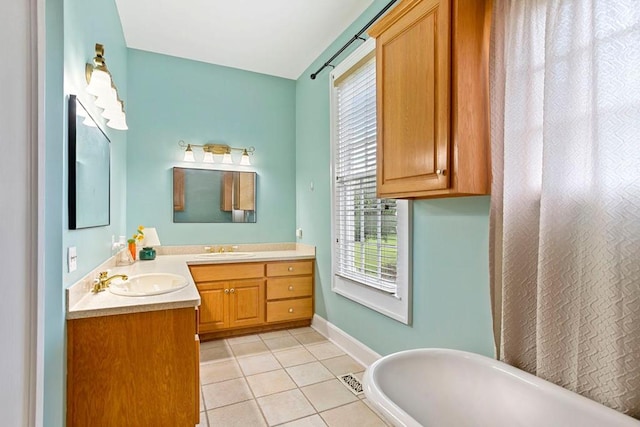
<point x="100" y="84"/>
<point x="213" y="150"/>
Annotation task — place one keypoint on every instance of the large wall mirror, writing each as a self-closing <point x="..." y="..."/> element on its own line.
<point x="89" y="169"/>
<point x="207" y="195"/>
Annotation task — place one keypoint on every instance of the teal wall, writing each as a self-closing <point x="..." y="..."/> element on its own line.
<point x="451" y="306"/>
<point x="172" y="99"/>
<point x="72" y="29"/>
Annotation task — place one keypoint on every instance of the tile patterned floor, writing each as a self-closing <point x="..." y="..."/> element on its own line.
<point x="282" y="378"/>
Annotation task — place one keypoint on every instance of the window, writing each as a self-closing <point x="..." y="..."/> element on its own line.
<point x="371" y="236"/>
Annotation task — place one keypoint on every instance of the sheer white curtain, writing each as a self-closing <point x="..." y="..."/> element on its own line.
<point x="565" y="220"/>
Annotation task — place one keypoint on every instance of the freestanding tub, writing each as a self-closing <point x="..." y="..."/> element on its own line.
<point x="451" y="388"/>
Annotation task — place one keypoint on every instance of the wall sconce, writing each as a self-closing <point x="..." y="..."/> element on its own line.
<point x="211" y="150"/>
<point x="100" y="84"/>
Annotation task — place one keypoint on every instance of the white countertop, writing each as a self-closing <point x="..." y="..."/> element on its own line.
<point x="81" y="302"/>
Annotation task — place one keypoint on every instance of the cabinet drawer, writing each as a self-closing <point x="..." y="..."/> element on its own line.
<point x="208" y="273"/>
<point x="290" y="287"/>
<point x="278" y="311"/>
<point x="289" y="268"/>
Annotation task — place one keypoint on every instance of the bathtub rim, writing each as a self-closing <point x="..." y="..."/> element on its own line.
<point x="396" y="414"/>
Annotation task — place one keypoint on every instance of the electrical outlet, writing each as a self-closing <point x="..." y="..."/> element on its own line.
<point x="299" y="233"/>
<point x="72" y="259"/>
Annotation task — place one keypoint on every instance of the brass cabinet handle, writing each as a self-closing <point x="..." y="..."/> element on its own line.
<point x="226" y="291"/>
<point x="290" y="269"/>
<point x="290" y="287"/>
<point x="291" y="310"/>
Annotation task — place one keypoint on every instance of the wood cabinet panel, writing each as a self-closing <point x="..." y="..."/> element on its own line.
<point x="278" y="311"/>
<point x="216" y="272"/>
<point x="246" y="303"/>
<point x="289" y="268"/>
<point x="432" y="99"/>
<point x="290" y="287"/>
<point x="214" y="310"/>
<point x="137" y="369"/>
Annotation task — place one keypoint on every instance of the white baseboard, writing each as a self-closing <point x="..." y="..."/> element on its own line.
<point x="354" y="348"/>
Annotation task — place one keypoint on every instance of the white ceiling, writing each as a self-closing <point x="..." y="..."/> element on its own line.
<point x="276" y="37"/>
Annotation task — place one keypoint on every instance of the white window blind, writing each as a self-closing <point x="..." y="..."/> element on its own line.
<point x="365" y="226"/>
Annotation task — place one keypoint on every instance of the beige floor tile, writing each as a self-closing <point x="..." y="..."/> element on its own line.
<point x="328" y="394"/>
<point x="243" y="339"/>
<point x="213" y="344"/>
<point x="215" y="353"/>
<point x="282" y="343"/>
<point x="353" y="414"/>
<point x="310" y="338"/>
<point x="298" y="331"/>
<point x="225" y="393"/>
<point x="325" y="350"/>
<point x="309" y="373"/>
<point x="312" y="421"/>
<point x="275" y="334"/>
<point x="285" y="406"/>
<point x="203" y="420"/>
<point x="270" y="382"/>
<point x="249" y="348"/>
<point x="213" y="372"/>
<point x="343" y="365"/>
<point x="292" y="357"/>
<point x="243" y="414"/>
<point x="368" y="403"/>
<point x="258" y="364"/>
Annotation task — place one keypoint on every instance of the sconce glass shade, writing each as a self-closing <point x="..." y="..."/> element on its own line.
<point x="100" y="82"/>
<point x="118" y="123"/>
<point x="244" y="161"/>
<point x="208" y="157"/>
<point x="113" y="111"/>
<point x="188" y="154"/>
<point x="226" y="159"/>
<point x="108" y="99"/>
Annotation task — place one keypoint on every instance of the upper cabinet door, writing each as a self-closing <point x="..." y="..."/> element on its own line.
<point x="432" y="102"/>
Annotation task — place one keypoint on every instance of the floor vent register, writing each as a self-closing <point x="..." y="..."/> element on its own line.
<point x="351" y="382"/>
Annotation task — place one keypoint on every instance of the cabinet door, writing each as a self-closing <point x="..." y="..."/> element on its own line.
<point x="214" y="310"/>
<point x="247" y="302"/>
<point x="413" y="69"/>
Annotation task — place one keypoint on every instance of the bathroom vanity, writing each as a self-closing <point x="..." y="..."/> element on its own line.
<point x="134" y="360"/>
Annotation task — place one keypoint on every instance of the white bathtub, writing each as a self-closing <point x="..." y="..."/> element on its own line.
<point x="450" y="388"/>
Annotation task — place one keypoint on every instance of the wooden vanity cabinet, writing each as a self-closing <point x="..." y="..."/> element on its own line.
<point x="137" y="369"/>
<point x="241" y="298"/>
<point x="433" y="99"/>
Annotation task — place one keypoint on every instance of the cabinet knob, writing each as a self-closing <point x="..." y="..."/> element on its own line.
<point x="226" y="291"/>
<point x="290" y="287"/>
<point x="441" y="171"/>
<point x="291" y="310"/>
<point x="232" y="290"/>
<point x="290" y="268"/>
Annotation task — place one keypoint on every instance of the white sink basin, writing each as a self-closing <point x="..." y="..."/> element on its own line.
<point x="225" y="255"/>
<point x="143" y="285"/>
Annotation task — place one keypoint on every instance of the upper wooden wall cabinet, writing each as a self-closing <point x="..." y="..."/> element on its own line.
<point x="433" y="99"/>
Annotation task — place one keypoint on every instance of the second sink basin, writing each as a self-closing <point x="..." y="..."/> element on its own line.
<point x="143" y="285"/>
<point x="218" y="255"/>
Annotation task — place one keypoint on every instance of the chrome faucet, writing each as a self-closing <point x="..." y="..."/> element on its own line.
<point x="103" y="282"/>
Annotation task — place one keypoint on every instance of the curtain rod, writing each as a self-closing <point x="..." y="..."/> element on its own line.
<point x="354" y="38"/>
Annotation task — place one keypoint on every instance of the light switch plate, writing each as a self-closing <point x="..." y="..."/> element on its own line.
<point x="72" y="259"/>
<point x="299" y="233"/>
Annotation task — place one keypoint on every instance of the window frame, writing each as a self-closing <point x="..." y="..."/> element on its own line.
<point x="397" y="306"/>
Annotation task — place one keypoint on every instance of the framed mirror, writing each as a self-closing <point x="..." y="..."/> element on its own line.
<point x="209" y="195"/>
<point x="89" y="170"/>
